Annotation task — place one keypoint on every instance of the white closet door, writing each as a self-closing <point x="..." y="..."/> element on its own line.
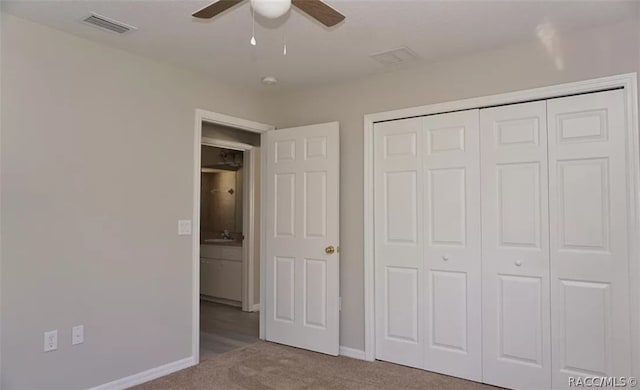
<point x="400" y="297"/>
<point x="589" y="237"/>
<point x="452" y="257"/>
<point x="515" y="246"/>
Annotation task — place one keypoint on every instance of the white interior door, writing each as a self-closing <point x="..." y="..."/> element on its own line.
<point x="399" y="283"/>
<point x="515" y="246"/>
<point x="452" y="255"/>
<point x="302" y="232"/>
<point x="589" y="237"/>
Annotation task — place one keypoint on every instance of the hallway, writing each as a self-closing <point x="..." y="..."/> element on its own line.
<point x="224" y="328"/>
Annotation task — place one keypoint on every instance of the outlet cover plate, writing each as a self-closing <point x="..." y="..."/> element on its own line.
<point x="51" y="340"/>
<point x="77" y="335"/>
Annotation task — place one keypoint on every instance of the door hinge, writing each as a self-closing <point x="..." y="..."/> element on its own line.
<point x="339" y="303"/>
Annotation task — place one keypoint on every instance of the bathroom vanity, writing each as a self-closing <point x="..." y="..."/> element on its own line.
<point x="221" y="271"/>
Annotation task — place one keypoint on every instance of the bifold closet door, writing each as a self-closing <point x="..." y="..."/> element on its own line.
<point x="515" y="247"/>
<point x="399" y="287"/>
<point x="589" y="237"/>
<point x="452" y="254"/>
<point x="427" y="233"/>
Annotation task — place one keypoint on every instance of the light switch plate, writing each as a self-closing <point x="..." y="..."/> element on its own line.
<point x="77" y="335"/>
<point x="184" y="227"/>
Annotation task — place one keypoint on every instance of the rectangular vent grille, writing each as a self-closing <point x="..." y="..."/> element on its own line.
<point x="394" y="56"/>
<point x="108" y="24"/>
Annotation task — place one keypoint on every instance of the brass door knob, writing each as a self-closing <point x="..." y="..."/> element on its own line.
<point x="330" y="250"/>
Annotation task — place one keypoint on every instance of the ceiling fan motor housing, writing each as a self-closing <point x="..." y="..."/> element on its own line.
<point x="271" y="9"/>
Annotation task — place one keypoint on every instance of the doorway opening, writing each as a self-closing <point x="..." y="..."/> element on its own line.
<point x="226" y="242"/>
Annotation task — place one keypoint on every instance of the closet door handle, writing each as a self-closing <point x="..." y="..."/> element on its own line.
<point x="445" y="257"/>
<point x="518" y="263"/>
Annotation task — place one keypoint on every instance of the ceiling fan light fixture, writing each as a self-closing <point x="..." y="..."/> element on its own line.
<point x="269" y="80"/>
<point x="271" y="9"/>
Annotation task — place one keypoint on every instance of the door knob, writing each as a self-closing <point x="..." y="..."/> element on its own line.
<point x="445" y="257"/>
<point x="330" y="250"/>
<point x="518" y="263"/>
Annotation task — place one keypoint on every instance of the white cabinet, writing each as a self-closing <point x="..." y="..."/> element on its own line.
<point x="502" y="242"/>
<point x="221" y="252"/>
<point x="221" y="272"/>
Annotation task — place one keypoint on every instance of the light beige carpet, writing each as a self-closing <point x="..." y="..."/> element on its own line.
<point x="266" y="365"/>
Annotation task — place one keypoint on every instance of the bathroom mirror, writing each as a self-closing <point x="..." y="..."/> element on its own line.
<point x="221" y="193"/>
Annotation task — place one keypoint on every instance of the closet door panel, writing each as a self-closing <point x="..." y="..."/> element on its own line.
<point x="399" y="286"/>
<point x="589" y="237"/>
<point x="452" y="258"/>
<point x="515" y="248"/>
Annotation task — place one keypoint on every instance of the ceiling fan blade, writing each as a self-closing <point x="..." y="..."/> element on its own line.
<point x="214" y="9"/>
<point x="320" y="11"/>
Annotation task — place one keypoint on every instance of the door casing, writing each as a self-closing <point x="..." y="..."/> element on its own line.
<point x="237" y="123"/>
<point x="628" y="82"/>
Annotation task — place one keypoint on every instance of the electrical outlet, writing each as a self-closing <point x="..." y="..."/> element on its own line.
<point x="51" y="340"/>
<point x="184" y="227"/>
<point x="77" y="335"/>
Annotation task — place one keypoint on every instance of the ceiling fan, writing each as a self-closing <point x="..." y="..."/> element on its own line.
<point x="273" y="9"/>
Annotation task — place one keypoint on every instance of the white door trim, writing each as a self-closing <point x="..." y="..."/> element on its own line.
<point x="627" y="81"/>
<point x="238" y="123"/>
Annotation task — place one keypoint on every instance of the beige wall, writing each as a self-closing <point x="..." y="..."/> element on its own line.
<point x="97" y="167"/>
<point x="589" y="54"/>
<point x="225" y="133"/>
<point x="1" y="296"/>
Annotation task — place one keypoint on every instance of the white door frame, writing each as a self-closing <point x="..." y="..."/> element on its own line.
<point x="626" y="81"/>
<point x="248" y="256"/>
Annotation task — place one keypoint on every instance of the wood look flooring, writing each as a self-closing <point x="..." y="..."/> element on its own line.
<point x="224" y="328"/>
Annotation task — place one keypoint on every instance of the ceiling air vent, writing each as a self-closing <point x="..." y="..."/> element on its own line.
<point x="394" y="56"/>
<point x="108" y="24"/>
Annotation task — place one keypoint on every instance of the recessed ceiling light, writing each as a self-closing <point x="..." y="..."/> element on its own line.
<point x="269" y="80"/>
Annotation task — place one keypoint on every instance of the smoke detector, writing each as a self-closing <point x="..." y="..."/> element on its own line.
<point x="394" y="56"/>
<point x="269" y="80"/>
<point x="108" y="24"/>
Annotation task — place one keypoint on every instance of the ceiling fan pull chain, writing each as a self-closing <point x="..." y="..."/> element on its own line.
<point x="253" y="27"/>
<point x="284" y="39"/>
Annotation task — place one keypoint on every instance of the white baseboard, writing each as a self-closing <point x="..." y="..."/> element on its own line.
<point x="256" y="307"/>
<point x="146" y="376"/>
<point x="352" y="353"/>
<point x="228" y="302"/>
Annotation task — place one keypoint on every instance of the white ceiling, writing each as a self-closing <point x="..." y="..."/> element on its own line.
<point x="435" y="30"/>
